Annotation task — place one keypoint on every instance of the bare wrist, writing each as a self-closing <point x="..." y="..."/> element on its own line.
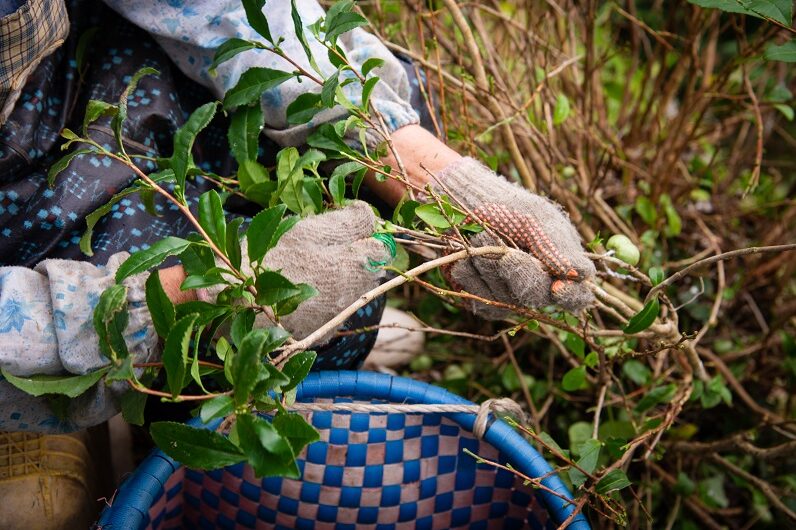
<point x="422" y="155"/>
<point x="171" y="278"/>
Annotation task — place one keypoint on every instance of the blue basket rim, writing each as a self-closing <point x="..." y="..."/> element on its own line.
<point x="137" y="494"/>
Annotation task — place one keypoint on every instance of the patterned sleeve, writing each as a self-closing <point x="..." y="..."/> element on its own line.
<point x="190" y="31"/>
<point x="29" y="31"/>
<point x="46" y="328"/>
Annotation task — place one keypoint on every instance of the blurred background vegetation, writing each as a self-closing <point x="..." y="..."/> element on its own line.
<point x="671" y="123"/>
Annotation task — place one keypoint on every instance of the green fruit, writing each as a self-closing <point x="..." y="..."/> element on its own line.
<point x="454" y="371"/>
<point x="568" y="172"/>
<point x="624" y="249"/>
<point x="421" y="363"/>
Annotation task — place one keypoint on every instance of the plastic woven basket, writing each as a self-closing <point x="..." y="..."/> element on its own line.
<point x="369" y="471"/>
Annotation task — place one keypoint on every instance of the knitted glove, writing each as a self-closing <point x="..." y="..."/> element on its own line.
<point x="335" y="253"/>
<point x="550" y="266"/>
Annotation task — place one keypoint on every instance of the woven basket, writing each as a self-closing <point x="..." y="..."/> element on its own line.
<point x="369" y="471"/>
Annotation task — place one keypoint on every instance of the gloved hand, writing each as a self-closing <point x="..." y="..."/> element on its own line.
<point x="333" y="252"/>
<point x="550" y="266"/>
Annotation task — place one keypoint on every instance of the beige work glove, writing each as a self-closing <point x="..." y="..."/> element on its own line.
<point x="336" y="253"/>
<point x="549" y="267"/>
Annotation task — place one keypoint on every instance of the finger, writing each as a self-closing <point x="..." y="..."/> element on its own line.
<point x="527" y="277"/>
<point x="572" y="296"/>
<point x="355" y="221"/>
<point x="556" y="226"/>
<point x="467" y="278"/>
<point x="517" y="277"/>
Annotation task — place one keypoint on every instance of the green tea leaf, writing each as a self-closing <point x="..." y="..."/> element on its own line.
<point x="160" y="306"/>
<point x="118" y="119"/>
<point x="329" y="88"/>
<point x="175" y="353"/>
<point x="337" y="187"/>
<point x="342" y="23"/>
<point x="290" y="176"/>
<point x="778" y="10"/>
<point x="39" y="385"/>
<point x="195" y="448"/>
<point x="673" y="222"/>
<point x="229" y="49"/>
<point x="218" y="407"/>
<point x="250" y="174"/>
<point x="233" y="242"/>
<point x="245" y="367"/>
<point x="151" y="257"/>
<point x="646" y="210"/>
<point x="242" y="324"/>
<point x="133" y="404"/>
<point x="62" y="163"/>
<point x="370" y="65"/>
<point x="251" y="85"/>
<point x="288" y="305"/>
<point x="200" y="281"/>
<point x="574" y="379"/>
<point x="578" y="433"/>
<point x="298" y="30"/>
<point x="367" y="90"/>
<point x="93" y="218"/>
<point x="684" y="485"/>
<point x="121" y="370"/>
<point x="637" y="372"/>
<point x="295" y="429"/>
<point x="266" y="450"/>
<point x="297" y="368"/>
<point x="656" y="275"/>
<point x="304" y="108"/>
<point x="83" y="43"/>
<point x="212" y="219"/>
<point x="110" y="321"/>
<point x="589" y="455"/>
<point x="244" y="134"/>
<point x="785" y="53"/>
<point x="256" y="18"/>
<point x="273" y="288"/>
<point x="261" y="232"/>
<point x="326" y="137"/>
<point x="711" y="491"/>
<point x="614" y="480"/>
<point x="561" y="110"/>
<point x="644" y="318"/>
<point x="432" y="215"/>
<point x="659" y="394"/>
<point x="181" y="158"/>
<point x="94" y="110"/>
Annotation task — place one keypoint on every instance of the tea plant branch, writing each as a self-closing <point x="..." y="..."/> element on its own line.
<point x="713" y="259"/>
<point x="737" y="442"/>
<point x="764" y="487"/>
<point x="138" y="387"/>
<point x="180" y="206"/>
<point x="755" y="178"/>
<point x="767" y="415"/>
<point x="521" y="378"/>
<point x="366" y="298"/>
<point x="159" y="364"/>
<point x="536" y="482"/>
<point x="483" y="83"/>
<point x="691" y="502"/>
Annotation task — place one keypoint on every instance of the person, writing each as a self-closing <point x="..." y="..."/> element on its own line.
<point x="48" y="289"/>
<point x="45" y="312"/>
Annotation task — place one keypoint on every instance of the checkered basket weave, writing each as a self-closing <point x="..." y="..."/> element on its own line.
<point x="373" y="470"/>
